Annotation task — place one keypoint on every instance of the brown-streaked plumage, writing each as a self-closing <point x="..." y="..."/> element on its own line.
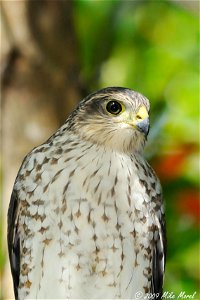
<point x="86" y="217"/>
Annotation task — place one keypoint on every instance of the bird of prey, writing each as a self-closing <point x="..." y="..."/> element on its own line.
<point x="86" y="217"/>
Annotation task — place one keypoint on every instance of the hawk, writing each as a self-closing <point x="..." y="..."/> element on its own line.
<point x="86" y="217"/>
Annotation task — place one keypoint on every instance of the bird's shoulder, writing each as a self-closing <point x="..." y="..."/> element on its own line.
<point x="147" y="176"/>
<point x="36" y="161"/>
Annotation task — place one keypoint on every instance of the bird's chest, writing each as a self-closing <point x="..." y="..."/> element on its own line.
<point x="106" y="196"/>
<point x="94" y="225"/>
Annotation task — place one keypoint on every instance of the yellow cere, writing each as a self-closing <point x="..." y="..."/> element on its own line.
<point x="142" y="113"/>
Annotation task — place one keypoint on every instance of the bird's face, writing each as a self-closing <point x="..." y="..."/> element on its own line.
<point x="114" y="117"/>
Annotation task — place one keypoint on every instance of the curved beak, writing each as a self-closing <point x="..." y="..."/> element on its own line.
<point x="140" y="120"/>
<point x="143" y="126"/>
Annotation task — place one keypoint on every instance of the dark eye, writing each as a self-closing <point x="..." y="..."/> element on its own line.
<point x="114" y="107"/>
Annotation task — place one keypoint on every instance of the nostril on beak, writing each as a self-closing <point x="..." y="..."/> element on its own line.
<point x="138" y="117"/>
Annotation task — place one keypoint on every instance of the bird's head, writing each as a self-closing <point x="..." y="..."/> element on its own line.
<point x="114" y="117"/>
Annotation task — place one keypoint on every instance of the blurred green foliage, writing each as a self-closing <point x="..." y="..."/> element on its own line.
<point x="153" y="47"/>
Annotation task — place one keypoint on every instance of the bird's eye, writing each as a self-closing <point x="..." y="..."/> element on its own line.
<point x="114" y="107"/>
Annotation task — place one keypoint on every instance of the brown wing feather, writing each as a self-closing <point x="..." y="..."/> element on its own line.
<point x="159" y="257"/>
<point x="14" y="240"/>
